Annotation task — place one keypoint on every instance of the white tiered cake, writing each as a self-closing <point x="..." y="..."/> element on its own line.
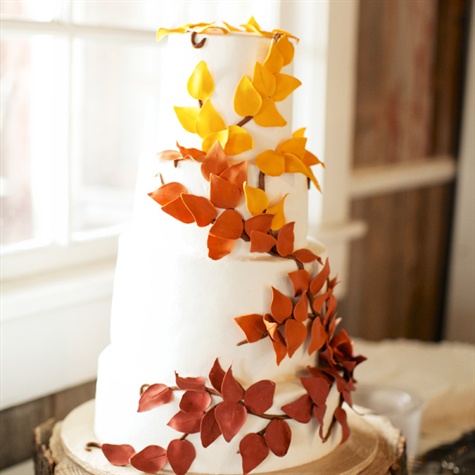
<point x="221" y="301"/>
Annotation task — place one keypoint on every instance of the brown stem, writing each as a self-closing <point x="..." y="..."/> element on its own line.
<point x="244" y="121"/>
<point x="262" y="181"/>
<point x="195" y="44"/>
<point x="93" y="445"/>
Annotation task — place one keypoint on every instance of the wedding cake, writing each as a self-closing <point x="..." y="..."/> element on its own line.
<point x="225" y="353"/>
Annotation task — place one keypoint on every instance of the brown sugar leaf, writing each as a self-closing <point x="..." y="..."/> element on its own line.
<point x="118" y="455"/>
<point x="186" y="422"/>
<point x="300" y="280"/>
<point x="181" y="454"/>
<point x="216" y="375"/>
<point x="216" y="161"/>
<point x="168" y="192"/>
<point x="150" y="460"/>
<point x="305" y="256"/>
<point x="231" y="416"/>
<point x="300" y="410"/>
<point x="178" y="210"/>
<point x="201" y="208"/>
<point x="261" y="222"/>
<point x="295" y="335"/>
<point x="195" y="401"/>
<point x="253" y="450"/>
<point x="253" y="327"/>
<point x="278" y="437"/>
<point x="301" y="309"/>
<point x="209" y="430"/>
<point x="228" y="225"/>
<point x="231" y="389"/>
<point x="281" y="306"/>
<point x="318" y="336"/>
<point x="218" y="247"/>
<point x="259" y="397"/>
<point x="191" y="384"/>
<point x="320" y="279"/>
<point x="262" y="242"/>
<point x="285" y="240"/>
<point x="223" y="194"/>
<point x="236" y="174"/>
<point x="317" y="388"/>
<point x="154" y="396"/>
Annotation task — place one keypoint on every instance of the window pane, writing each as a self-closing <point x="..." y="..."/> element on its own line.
<point x="114" y="124"/>
<point x="33" y="10"/>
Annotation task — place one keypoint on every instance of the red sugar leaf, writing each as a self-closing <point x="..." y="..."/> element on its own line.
<point x="253" y="326"/>
<point x="236" y="174"/>
<point x="300" y="280"/>
<point x="201" y="208"/>
<point x="231" y="389"/>
<point x="228" y="225"/>
<point x="178" y="210"/>
<point x="230" y="416"/>
<point x="320" y="279"/>
<point x="318" y="336"/>
<point x="319" y="414"/>
<point x="223" y="194"/>
<point x="281" y="306"/>
<point x="168" y="192"/>
<point x="285" y="240"/>
<point x="194" y="153"/>
<point x="253" y="450"/>
<point x="301" y="309"/>
<point x="317" y="388"/>
<point x="119" y="455"/>
<point x="216" y="375"/>
<point x="300" y="410"/>
<point x="278" y="436"/>
<point x="295" y="335"/>
<point x="305" y="256"/>
<point x="340" y="416"/>
<point x="259" y="397"/>
<point x="181" y="454"/>
<point x="261" y="222"/>
<point x="186" y="422"/>
<point x="195" y="401"/>
<point x="192" y="384"/>
<point x="209" y="430"/>
<point x="154" y="396"/>
<point x="150" y="460"/>
<point x="261" y="242"/>
<point x="342" y="342"/>
<point x="218" y="247"/>
<point x="215" y="161"/>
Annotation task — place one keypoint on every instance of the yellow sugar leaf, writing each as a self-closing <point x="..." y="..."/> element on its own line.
<point x="209" y="121"/>
<point x="230" y="27"/>
<point x="187" y="117"/>
<point x="256" y="200"/>
<point x="238" y="141"/>
<point x="271" y="163"/>
<point x="278" y="211"/>
<point x="293" y="164"/>
<point x="252" y="26"/>
<point x="295" y="145"/>
<point x="285" y="85"/>
<point x="286" y="49"/>
<point x="274" y="60"/>
<point x="269" y="116"/>
<point x="264" y="81"/>
<point x="200" y="84"/>
<point x="162" y="32"/>
<point x="310" y="159"/>
<point x="221" y="136"/>
<point x="299" y="132"/>
<point x="313" y="179"/>
<point x="247" y="100"/>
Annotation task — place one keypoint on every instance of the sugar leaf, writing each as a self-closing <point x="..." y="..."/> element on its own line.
<point x="318" y="336"/>
<point x="168" y="192"/>
<point x="118" y="455"/>
<point x="305" y="256"/>
<point x="187" y="117"/>
<point x="285" y="85"/>
<point x="186" y="422"/>
<point x="295" y="335"/>
<point x="281" y="306"/>
<point x="208" y="120"/>
<point x="231" y="416"/>
<point x="215" y="161"/>
<point x="239" y="140"/>
<point x="253" y="327"/>
<point x="192" y="384"/>
<point x="231" y="389"/>
<point x="320" y="279"/>
<point x="223" y="194"/>
<point x="209" y="430"/>
<point x="236" y="174"/>
<point x="181" y="454"/>
<point x="300" y="280"/>
<point x="300" y="410"/>
<point x="253" y="450"/>
<point x="280" y="348"/>
<point x="278" y="210"/>
<point x="286" y="49"/>
<point x="218" y="247"/>
<point x="278" y="437"/>
<point x="268" y="115"/>
<point x="150" y="460"/>
<point x="228" y="225"/>
<point x="317" y="388"/>
<point x="256" y="200"/>
<point x="200" y="85"/>
<point x="274" y="60"/>
<point x="259" y="397"/>
<point x="261" y="242"/>
<point x="301" y="308"/>
<point x="179" y="210"/>
<point x="263" y="80"/>
<point x="201" y="208"/>
<point x="247" y="100"/>
<point x="340" y="416"/>
<point x="154" y="396"/>
<point x="285" y="240"/>
<point x="271" y="163"/>
<point x="261" y="223"/>
<point x="195" y="401"/>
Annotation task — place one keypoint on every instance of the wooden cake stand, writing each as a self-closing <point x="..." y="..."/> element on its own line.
<point x="374" y="447"/>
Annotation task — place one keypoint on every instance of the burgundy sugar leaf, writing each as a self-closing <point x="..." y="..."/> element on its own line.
<point x="340" y="416"/>
<point x="231" y="389"/>
<point x="178" y="210"/>
<point x="119" y="455"/>
<point x="317" y="388"/>
<point x="295" y="335"/>
<point x="168" y="192"/>
<point x="228" y="225"/>
<point x="259" y="397"/>
<point x="261" y="223"/>
<point x="192" y="384"/>
<point x="223" y="194"/>
<point x="261" y="242"/>
<point x="154" y="396"/>
<point x="201" y="208"/>
<point x="300" y="280"/>
<point x="305" y="256"/>
<point x="320" y="279"/>
<point x="194" y="153"/>
<point x="285" y="240"/>
<point x="342" y="343"/>
<point x="301" y="309"/>
<point x="195" y="401"/>
<point x="319" y="414"/>
<point x="236" y="174"/>
<point x="318" y="336"/>
<point x="209" y="430"/>
<point x="281" y="306"/>
<point x="218" y="247"/>
<point x="181" y="454"/>
<point x="253" y="450"/>
<point x="215" y="161"/>
<point x="230" y="416"/>
<point x="253" y="326"/>
<point x="278" y="436"/>
<point x="216" y="375"/>
<point x="300" y="410"/>
<point x="150" y="460"/>
<point x="186" y="422"/>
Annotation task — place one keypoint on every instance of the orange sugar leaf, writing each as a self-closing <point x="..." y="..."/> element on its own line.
<point x="218" y="248"/>
<point x="300" y="280"/>
<point x="263" y="80"/>
<point x="216" y="161"/>
<point x="179" y="210"/>
<point x="318" y="302"/>
<point x="253" y="326"/>
<point x="228" y="225"/>
<point x="236" y="174"/>
<point x="305" y="256"/>
<point x="196" y="154"/>
<point x="318" y="336"/>
<point x="261" y="223"/>
<point x="274" y="60"/>
<point x="295" y="335"/>
<point x="320" y="279"/>
<point x="268" y="115"/>
<point x="281" y="306"/>
<point x="201" y="208"/>
<point x="247" y="100"/>
<point x="261" y="242"/>
<point x="223" y="194"/>
<point x="280" y="348"/>
<point x="285" y="240"/>
<point x="271" y="163"/>
<point x="301" y="309"/>
<point x="169" y="155"/>
<point x="168" y="192"/>
<point x="331" y="307"/>
<point x="285" y="85"/>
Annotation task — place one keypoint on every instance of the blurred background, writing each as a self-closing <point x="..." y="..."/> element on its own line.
<point x="389" y="104"/>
